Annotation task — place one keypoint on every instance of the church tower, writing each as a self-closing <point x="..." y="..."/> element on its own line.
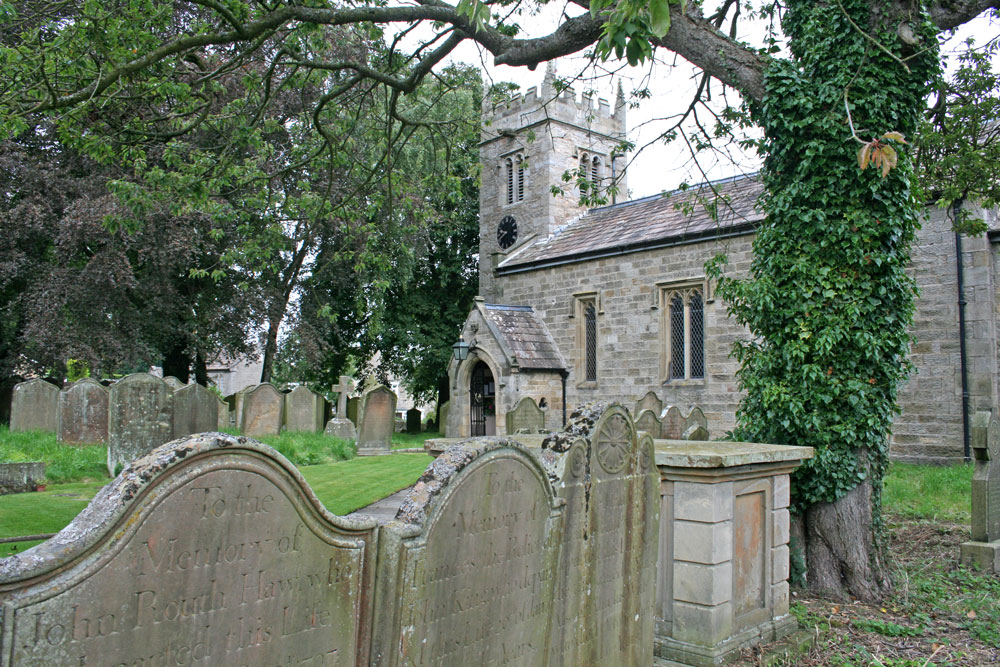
<point x="528" y="144"/>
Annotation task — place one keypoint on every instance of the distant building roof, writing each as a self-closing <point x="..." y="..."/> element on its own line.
<point x="671" y="218"/>
<point x="524" y="336"/>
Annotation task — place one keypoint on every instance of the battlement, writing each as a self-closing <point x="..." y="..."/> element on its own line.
<point x="521" y="110"/>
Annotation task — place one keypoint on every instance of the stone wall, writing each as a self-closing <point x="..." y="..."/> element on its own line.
<point x="631" y="330"/>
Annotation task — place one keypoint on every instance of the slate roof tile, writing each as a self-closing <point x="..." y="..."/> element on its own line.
<point x="527" y="337"/>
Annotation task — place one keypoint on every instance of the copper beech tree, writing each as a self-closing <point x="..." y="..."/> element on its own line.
<point x="827" y="300"/>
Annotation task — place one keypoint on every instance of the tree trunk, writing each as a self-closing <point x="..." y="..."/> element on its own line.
<point x="271" y="346"/>
<point x="177" y="363"/>
<point x="200" y="369"/>
<point x="842" y="555"/>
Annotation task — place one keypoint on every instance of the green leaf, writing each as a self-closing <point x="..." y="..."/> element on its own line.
<point x="659" y="17"/>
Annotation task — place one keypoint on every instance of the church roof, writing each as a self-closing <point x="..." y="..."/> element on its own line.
<point x="671" y="218"/>
<point x="525" y="338"/>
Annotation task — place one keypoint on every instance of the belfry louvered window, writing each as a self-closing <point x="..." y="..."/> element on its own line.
<point x="685" y="334"/>
<point x="590" y="341"/>
<point x="520" y="178"/>
<point x="510" y="180"/>
<point x="595" y="171"/>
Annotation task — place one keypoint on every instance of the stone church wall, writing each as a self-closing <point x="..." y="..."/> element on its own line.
<point x="630" y="339"/>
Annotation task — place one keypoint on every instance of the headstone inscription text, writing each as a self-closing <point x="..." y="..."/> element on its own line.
<point x="477" y="587"/>
<point x="225" y="564"/>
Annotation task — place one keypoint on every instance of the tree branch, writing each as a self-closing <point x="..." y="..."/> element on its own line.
<point x="948" y="14"/>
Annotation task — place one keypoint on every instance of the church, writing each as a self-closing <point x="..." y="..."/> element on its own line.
<point x="610" y="303"/>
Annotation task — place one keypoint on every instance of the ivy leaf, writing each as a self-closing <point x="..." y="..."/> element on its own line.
<point x="659" y="17"/>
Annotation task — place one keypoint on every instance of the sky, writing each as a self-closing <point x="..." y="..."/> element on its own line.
<point x="672" y="82"/>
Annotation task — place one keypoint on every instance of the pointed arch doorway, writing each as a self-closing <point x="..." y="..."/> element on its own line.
<point x="482" y="401"/>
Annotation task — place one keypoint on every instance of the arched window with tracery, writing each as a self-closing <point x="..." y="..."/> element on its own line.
<point x="685" y="334"/>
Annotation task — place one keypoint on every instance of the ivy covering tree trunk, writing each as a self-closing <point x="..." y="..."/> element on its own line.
<point x="828" y="300"/>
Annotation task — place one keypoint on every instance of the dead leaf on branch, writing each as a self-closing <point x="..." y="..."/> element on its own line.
<point x="879" y="153"/>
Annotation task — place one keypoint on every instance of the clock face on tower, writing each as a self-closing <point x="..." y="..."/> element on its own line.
<point x="507" y="232"/>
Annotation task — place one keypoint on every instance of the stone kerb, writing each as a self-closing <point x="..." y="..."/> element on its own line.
<point x="140" y="418"/>
<point x="526" y="417"/>
<point x="474" y="548"/>
<point x="304" y="410"/>
<point x="196" y="410"/>
<point x="34" y="407"/>
<point x="83" y="412"/>
<point x="378" y="409"/>
<point x="984" y="548"/>
<point x="210" y="550"/>
<point x="263" y="410"/>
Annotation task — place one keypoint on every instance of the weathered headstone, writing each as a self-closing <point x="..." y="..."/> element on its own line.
<point x="34" y="407"/>
<point x="196" y="410"/>
<point x="262" y="411"/>
<point x="304" y="410"/>
<point x="211" y="551"/>
<point x="984" y="549"/>
<point x="343" y="389"/>
<point x="83" y="412"/>
<point x="696" y="418"/>
<point x="353" y="407"/>
<point x="235" y="402"/>
<point x="443" y="418"/>
<point x="648" y="421"/>
<point x="649" y="402"/>
<point x="21" y="477"/>
<point x="475" y="565"/>
<point x="378" y="410"/>
<point x="526" y="417"/>
<point x="225" y="416"/>
<point x="695" y="432"/>
<point x="413" y="420"/>
<point x="173" y="382"/>
<point x="140" y="418"/>
<point x="672" y="424"/>
<point x="341" y="428"/>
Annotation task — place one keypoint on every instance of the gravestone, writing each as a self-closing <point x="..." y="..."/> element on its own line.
<point x="235" y="402"/>
<point x="140" y="418"/>
<point x="648" y="421"/>
<point x="34" y="406"/>
<point x="304" y="410"/>
<point x="211" y="551"/>
<point x="83" y="412"/>
<point x="649" y="402"/>
<point x="477" y="545"/>
<point x="196" y="410"/>
<point x="443" y="418"/>
<point x="21" y="477"/>
<point x="984" y="549"/>
<point x="225" y="416"/>
<point x="413" y="418"/>
<point x="353" y="407"/>
<point x="378" y="410"/>
<point x="672" y="423"/>
<point x="343" y="389"/>
<point x="341" y="428"/>
<point x="173" y="382"/>
<point x="695" y="418"/>
<point x="526" y="417"/>
<point x="695" y="432"/>
<point x="262" y="411"/>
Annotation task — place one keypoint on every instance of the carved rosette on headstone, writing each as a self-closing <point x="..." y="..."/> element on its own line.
<point x="140" y="418"/>
<point x="984" y="549"/>
<point x="475" y="552"/>
<point x="526" y="417"/>
<point x="34" y="407"/>
<point x="83" y="412"/>
<point x="378" y="412"/>
<point x="262" y="411"/>
<point x="209" y="551"/>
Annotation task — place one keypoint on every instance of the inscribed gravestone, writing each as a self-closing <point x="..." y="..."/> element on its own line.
<point x="140" y="417"/>
<point x="649" y="402"/>
<point x="696" y="418"/>
<point x="526" y="417"/>
<point x="475" y="566"/>
<point x="196" y="410"/>
<point x="304" y="410"/>
<point x="649" y="422"/>
<point x="262" y="411"/>
<point x="672" y="423"/>
<point x="34" y="407"/>
<point x="83" y="412"/>
<point x="413" y="417"/>
<point x="209" y="552"/>
<point x="378" y="410"/>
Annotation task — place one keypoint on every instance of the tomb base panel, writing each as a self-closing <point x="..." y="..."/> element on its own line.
<point x="674" y="653"/>
<point x="984" y="554"/>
